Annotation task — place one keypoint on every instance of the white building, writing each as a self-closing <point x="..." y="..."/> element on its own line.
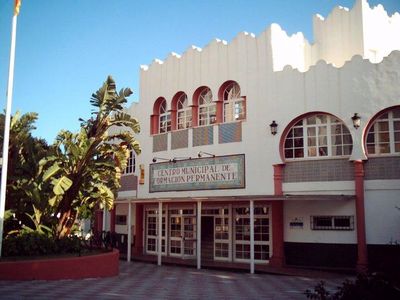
<point x="324" y="188"/>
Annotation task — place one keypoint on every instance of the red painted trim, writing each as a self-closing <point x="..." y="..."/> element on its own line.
<point x="222" y="88"/>
<point x="245" y="107"/>
<point x="291" y="124"/>
<point x="278" y="256"/>
<point x="372" y="121"/>
<point x="195" y="116"/>
<point x="154" y="124"/>
<point x="92" y="266"/>
<point x="112" y="219"/>
<point x="154" y="118"/>
<point x="277" y="259"/>
<point x="278" y="179"/>
<point x="98" y="221"/>
<point x="139" y="216"/>
<point x="174" y="120"/>
<point x="219" y="111"/>
<point x="362" y="253"/>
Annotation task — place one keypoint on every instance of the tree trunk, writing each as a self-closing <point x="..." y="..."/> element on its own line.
<point x="65" y="223"/>
<point x="68" y="213"/>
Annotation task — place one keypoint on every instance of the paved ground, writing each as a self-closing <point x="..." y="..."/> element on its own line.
<point x="147" y="281"/>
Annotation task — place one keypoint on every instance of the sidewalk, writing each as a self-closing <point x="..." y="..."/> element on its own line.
<point x="243" y="267"/>
<point x="138" y="280"/>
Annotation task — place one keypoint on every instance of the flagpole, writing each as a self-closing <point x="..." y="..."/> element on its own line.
<point x="7" y="128"/>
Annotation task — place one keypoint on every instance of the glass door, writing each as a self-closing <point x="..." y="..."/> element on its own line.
<point x="182" y="234"/>
<point x="189" y="236"/>
<point x="152" y="232"/>
<point x="175" y="235"/>
<point x="242" y="234"/>
<point x="221" y="238"/>
<point x="261" y="234"/>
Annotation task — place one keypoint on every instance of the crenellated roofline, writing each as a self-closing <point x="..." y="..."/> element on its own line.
<point x="298" y="53"/>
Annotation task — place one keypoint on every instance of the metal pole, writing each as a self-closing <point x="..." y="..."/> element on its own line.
<point x="198" y="235"/>
<point x="7" y="128"/>
<point x="252" y="236"/>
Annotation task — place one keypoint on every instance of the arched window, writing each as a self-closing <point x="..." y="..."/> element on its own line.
<point x="130" y="166"/>
<point x="234" y="104"/>
<point x="319" y="135"/>
<point x="384" y="134"/>
<point x="184" y="115"/>
<point x="207" y="108"/>
<point x="164" y="118"/>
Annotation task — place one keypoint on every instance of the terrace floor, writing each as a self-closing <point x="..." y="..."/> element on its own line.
<point x="144" y="280"/>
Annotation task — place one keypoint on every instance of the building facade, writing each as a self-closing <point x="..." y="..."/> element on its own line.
<point x="269" y="150"/>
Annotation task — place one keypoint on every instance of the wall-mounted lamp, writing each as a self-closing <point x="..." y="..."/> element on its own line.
<point x="180" y="158"/>
<point x="202" y="153"/>
<point x="155" y="159"/>
<point x="173" y="160"/>
<point x="274" y="127"/>
<point x="356" y="120"/>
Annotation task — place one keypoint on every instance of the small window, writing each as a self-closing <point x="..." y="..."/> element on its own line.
<point x="120" y="220"/>
<point x="332" y="222"/>
<point x="130" y="167"/>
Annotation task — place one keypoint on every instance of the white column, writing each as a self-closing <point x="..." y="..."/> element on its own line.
<point x="198" y="244"/>
<point x="252" y="236"/>
<point x="128" y="256"/>
<point x="230" y="232"/>
<point x="159" y="232"/>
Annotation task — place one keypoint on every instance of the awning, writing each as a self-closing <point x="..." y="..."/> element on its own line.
<point x="286" y="197"/>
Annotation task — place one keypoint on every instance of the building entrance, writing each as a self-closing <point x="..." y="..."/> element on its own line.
<point x="225" y="232"/>
<point x="207" y="238"/>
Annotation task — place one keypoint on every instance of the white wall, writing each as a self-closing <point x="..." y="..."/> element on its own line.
<point x="354" y="85"/>
<point x="304" y="209"/>
<point x="319" y="188"/>
<point x="338" y="37"/>
<point x="359" y="86"/>
<point x="122" y="209"/>
<point x="378" y="26"/>
<point x="382" y="211"/>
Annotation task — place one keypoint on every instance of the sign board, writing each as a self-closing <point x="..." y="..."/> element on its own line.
<point x="296" y="223"/>
<point x="208" y="173"/>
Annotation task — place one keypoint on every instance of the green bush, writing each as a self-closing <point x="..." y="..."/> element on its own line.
<point x="366" y="287"/>
<point x="36" y="244"/>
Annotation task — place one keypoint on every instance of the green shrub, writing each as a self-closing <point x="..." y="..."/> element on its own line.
<point x="36" y="244"/>
<point x="366" y="287"/>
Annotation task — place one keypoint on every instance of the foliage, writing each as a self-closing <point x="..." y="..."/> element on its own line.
<point x="368" y="287"/>
<point x="86" y="168"/>
<point x="50" y="186"/>
<point x="29" y="194"/>
<point x="36" y="244"/>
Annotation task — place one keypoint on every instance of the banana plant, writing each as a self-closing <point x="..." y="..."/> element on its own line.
<point x="25" y="189"/>
<point x="86" y="168"/>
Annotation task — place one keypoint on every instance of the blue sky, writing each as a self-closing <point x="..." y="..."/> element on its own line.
<point x="66" y="48"/>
